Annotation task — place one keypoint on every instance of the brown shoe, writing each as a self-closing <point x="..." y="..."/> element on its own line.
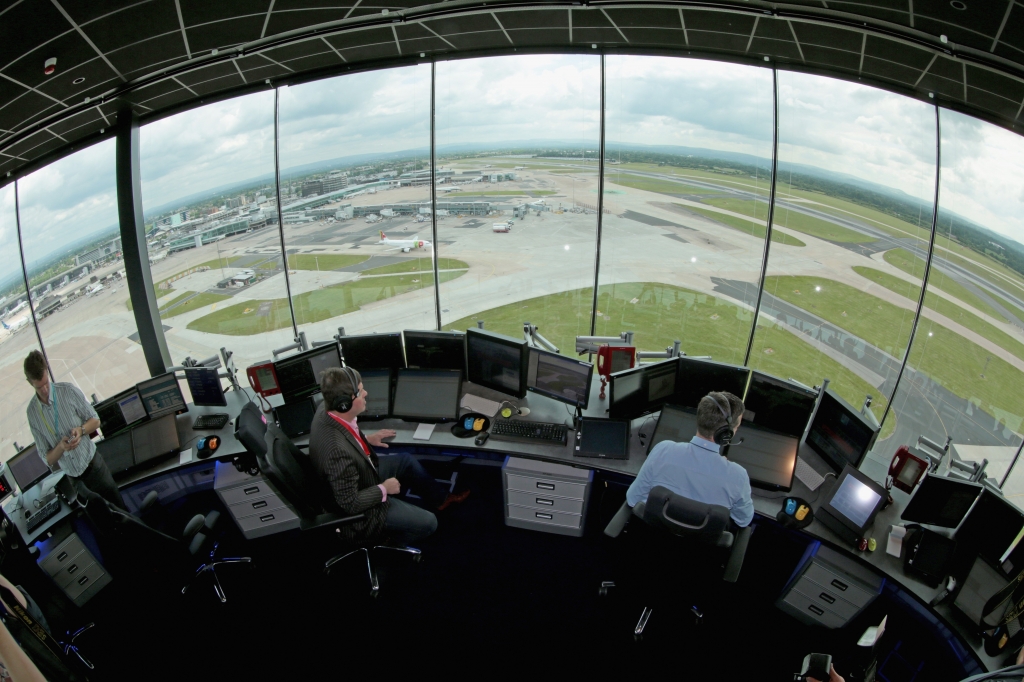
<point x="453" y="498"/>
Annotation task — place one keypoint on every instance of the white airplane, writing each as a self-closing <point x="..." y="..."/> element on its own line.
<point x="95" y="289"/>
<point x="406" y="245"/>
<point x="16" y="326"/>
<point x="18" y="307"/>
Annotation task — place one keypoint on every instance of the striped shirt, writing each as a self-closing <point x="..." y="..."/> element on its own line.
<point x="72" y="410"/>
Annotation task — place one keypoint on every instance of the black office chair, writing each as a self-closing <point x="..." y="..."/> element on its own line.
<point x="251" y="432"/>
<point x="681" y="543"/>
<point x="291" y="472"/>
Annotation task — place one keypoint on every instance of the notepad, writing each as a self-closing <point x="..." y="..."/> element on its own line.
<point x="895" y="544"/>
<point x="423" y="432"/>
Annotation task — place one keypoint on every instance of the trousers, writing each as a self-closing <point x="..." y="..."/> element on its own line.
<point x="406" y="522"/>
<point x="97" y="478"/>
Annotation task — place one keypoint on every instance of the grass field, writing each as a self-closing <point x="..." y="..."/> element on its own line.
<point x="505" y="193"/>
<point x="322" y="261"/>
<point x="914" y="266"/>
<point x="1000" y="276"/>
<point x="203" y="299"/>
<point x="654" y="184"/>
<point x="816" y="227"/>
<point x="843" y="208"/>
<point x="755" y="226"/>
<point x="418" y="265"/>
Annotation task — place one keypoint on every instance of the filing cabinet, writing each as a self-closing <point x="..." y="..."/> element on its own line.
<point x="829" y="589"/>
<point x="551" y="498"/>
<point x="75" y="570"/>
<point x="253" y="503"/>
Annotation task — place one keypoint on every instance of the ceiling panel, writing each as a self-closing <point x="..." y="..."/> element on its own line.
<point x="942" y="86"/>
<point x="34" y="146"/>
<point x="591" y="18"/>
<point x="84" y="11"/>
<point x="604" y="36"/>
<point x="717" y="41"/>
<point x="85" y="118"/>
<point x="425" y="45"/>
<point x="217" y="84"/>
<point x="120" y="29"/>
<point x="893" y="51"/>
<point x="289" y="21"/>
<point x="721" y="22"/>
<point x="224" y="34"/>
<point x="780" y="49"/>
<point x="204" y="11"/>
<point x="828" y="36"/>
<point x="653" y="18"/>
<point x="140" y="57"/>
<point x="70" y="50"/>
<point x="823" y="56"/>
<point x="539" y="36"/>
<point x="23" y="107"/>
<point x="209" y="73"/>
<point x="900" y="15"/>
<point x="1013" y="33"/>
<point x="543" y="18"/>
<point x="673" y="37"/>
<point x="986" y="100"/>
<point x="98" y="79"/>
<point x="27" y="26"/>
<point x="898" y="73"/>
<point x="314" y="62"/>
<point x="995" y="83"/>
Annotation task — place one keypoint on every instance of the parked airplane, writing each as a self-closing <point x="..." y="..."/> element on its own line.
<point x="95" y="289"/>
<point x="16" y="326"/>
<point x="406" y="245"/>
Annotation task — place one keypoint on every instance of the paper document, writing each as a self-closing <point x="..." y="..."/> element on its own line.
<point x="872" y="634"/>
<point x="481" y="405"/>
<point x="423" y="432"/>
<point x="895" y="544"/>
<point x="186" y="456"/>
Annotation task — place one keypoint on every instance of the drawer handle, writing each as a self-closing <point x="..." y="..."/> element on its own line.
<point x="826" y="597"/>
<point x="259" y="505"/>
<point x="546" y="486"/>
<point x="815" y="610"/>
<point x="541" y="500"/>
<point x="83" y="580"/>
<point x="267" y="517"/>
<point x="839" y="585"/>
<point x="62" y="556"/>
<point x="540" y="515"/>
<point x="72" y="568"/>
<point x="250" y="491"/>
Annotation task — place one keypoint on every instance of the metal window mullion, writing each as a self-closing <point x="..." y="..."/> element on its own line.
<point x="433" y="192"/>
<point x="24" y="274"/>
<point x="600" y="201"/>
<point x="280" y="215"/>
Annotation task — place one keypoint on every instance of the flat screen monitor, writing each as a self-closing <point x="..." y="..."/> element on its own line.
<point x="991" y="526"/>
<point x="120" y="411"/>
<point x="435" y="350"/>
<point x="427" y="395"/>
<point x="941" y="501"/>
<point x="373" y="351"/>
<point x="840" y="434"/>
<point x="642" y="390"/>
<point x="162" y="395"/>
<point x="779" y="405"/>
<point x="674" y="424"/>
<point x="603" y="438"/>
<point x="204" y="384"/>
<point x="377" y="383"/>
<point x="496" y="361"/>
<point x="299" y="375"/>
<point x="155" y="439"/>
<point x="699" y="377"/>
<point x="28" y="468"/>
<point x="117" y="452"/>
<point x="557" y="376"/>
<point x="852" y="505"/>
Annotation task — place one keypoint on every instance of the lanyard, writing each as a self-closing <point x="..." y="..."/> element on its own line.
<point x="53" y="397"/>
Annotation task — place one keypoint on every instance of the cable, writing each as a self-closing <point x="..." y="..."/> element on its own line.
<point x="818" y="494"/>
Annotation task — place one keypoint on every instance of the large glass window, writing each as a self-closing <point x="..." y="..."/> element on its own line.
<point x="517" y="143"/>
<point x="355" y="167"/>
<point x="71" y="242"/>
<point x="211" y="218"/>
<point x="856" y="185"/>
<point x="687" y="181"/>
<point x="965" y="375"/>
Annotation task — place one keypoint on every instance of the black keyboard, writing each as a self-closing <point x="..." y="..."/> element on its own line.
<point x="44" y="513"/>
<point x="530" y="432"/>
<point x="211" y="422"/>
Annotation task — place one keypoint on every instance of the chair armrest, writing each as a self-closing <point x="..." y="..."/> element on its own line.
<point x="739" y="550"/>
<point x="618" y="521"/>
<point x="328" y="521"/>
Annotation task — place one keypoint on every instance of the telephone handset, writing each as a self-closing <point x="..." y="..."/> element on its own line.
<point x="263" y="379"/>
<point x="906" y="470"/>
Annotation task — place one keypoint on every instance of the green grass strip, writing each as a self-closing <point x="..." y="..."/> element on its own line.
<point x="914" y="266"/>
<point x="749" y="226"/>
<point x="200" y="301"/>
<point x="816" y="227"/>
<point x="418" y="265"/>
<point x="322" y="261"/>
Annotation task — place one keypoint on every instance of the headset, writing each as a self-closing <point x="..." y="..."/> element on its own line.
<point x="343" y="404"/>
<point x="724" y="433"/>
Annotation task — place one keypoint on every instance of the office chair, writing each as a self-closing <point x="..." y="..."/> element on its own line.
<point x="251" y="430"/>
<point x="666" y="541"/>
<point x="291" y="472"/>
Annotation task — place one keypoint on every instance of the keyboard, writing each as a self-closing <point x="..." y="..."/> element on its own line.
<point x="529" y="432"/>
<point x="211" y="422"/>
<point x="43" y="514"/>
<point x="807" y="475"/>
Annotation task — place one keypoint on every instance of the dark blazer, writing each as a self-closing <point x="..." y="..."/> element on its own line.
<point x="352" y="476"/>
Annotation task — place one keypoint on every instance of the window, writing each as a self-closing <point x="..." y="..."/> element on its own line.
<point x="71" y="244"/>
<point x="517" y="144"/>
<point x="355" y="167"/>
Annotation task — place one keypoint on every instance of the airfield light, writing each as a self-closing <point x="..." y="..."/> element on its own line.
<point x="693" y="259"/>
<point x="817" y="288"/>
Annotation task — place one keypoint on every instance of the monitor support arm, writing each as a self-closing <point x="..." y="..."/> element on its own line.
<point x="300" y="344"/>
<point x="534" y="338"/>
<point x="667" y="354"/>
<point x="590" y="344"/>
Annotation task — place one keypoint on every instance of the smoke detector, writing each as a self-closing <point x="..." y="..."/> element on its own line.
<point x="49" y="66"/>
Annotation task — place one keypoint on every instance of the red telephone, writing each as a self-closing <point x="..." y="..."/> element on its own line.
<point x="906" y="469"/>
<point x="263" y="379"/>
<point x="611" y="359"/>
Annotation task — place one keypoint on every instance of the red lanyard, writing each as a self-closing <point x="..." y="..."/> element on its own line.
<point x="353" y="431"/>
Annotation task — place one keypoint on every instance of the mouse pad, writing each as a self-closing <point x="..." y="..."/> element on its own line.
<point x="790" y="520"/>
<point x="459" y="429"/>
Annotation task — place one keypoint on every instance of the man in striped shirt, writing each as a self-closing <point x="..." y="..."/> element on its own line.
<point x="60" y="419"/>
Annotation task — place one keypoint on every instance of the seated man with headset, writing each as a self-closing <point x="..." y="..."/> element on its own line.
<point x="697" y="470"/>
<point x="346" y="458"/>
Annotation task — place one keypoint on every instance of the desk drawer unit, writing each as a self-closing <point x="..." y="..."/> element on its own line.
<point x="551" y="498"/>
<point x="253" y="503"/>
<point x="829" y="589"/>
<point x="75" y="570"/>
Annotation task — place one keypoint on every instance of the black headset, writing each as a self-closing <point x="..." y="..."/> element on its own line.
<point x="342" y="403"/>
<point x="724" y="433"/>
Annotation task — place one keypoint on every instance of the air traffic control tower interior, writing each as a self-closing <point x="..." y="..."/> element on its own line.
<point x="569" y="222"/>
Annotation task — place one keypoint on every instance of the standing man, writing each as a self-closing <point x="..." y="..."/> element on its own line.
<point x="58" y="415"/>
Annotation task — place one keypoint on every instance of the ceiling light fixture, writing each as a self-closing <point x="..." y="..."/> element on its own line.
<point x="957" y="5"/>
<point x="78" y="81"/>
<point x="49" y="66"/>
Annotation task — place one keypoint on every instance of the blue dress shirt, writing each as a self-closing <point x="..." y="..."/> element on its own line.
<point x="696" y="471"/>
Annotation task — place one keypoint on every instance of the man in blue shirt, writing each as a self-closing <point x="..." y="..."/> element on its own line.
<point x="697" y="470"/>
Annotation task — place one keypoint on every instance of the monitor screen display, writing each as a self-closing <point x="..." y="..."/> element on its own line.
<point x="299" y="375"/>
<point x="840" y="434"/>
<point x="608" y="438"/>
<point x="768" y="457"/>
<point x="204" y="384"/>
<point x="162" y="395"/>
<point x="435" y="350"/>
<point x="941" y="501"/>
<point x="377" y="384"/>
<point x="120" y="411"/>
<point x="778" y="405"/>
<point x="295" y="419"/>
<point x="698" y="377"/>
<point x="427" y="394"/>
<point x="559" y="377"/>
<point x="991" y="526"/>
<point x="373" y="351"/>
<point x="28" y="468"/>
<point x="855" y="501"/>
<point x="496" y="361"/>
<point x="117" y="452"/>
<point x="626" y="398"/>
<point x="674" y="424"/>
<point x="657" y="384"/>
<point x="155" y="439"/>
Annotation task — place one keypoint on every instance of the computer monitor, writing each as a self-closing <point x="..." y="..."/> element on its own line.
<point x="117" y="452"/>
<point x="28" y="468"/>
<point x="642" y="390"/>
<point x="851" y="507"/>
<point x="120" y="411"/>
<point x="557" y="376"/>
<point x="155" y="439"/>
<point x="295" y="419"/>
<point x="496" y="361"/>
<point x="377" y="383"/>
<point x="779" y="405"/>
<point x="991" y="526"/>
<point x="299" y="374"/>
<point x="373" y="351"/>
<point x="603" y="438"/>
<point x="162" y="395"/>
<point x="435" y="350"/>
<point x="204" y="384"/>
<point x="699" y="377"/>
<point x="839" y="433"/>
<point x="941" y="501"/>
<point x="427" y="395"/>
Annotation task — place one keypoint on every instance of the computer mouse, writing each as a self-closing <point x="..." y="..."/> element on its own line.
<point x="468" y="424"/>
<point x="482" y="438"/>
<point x="478" y="425"/>
<point x="206" y="446"/>
<point x="801" y="513"/>
<point x="791" y="506"/>
<point x="872" y="544"/>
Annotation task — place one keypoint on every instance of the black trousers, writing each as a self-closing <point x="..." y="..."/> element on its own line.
<point x="97" y="478"/>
